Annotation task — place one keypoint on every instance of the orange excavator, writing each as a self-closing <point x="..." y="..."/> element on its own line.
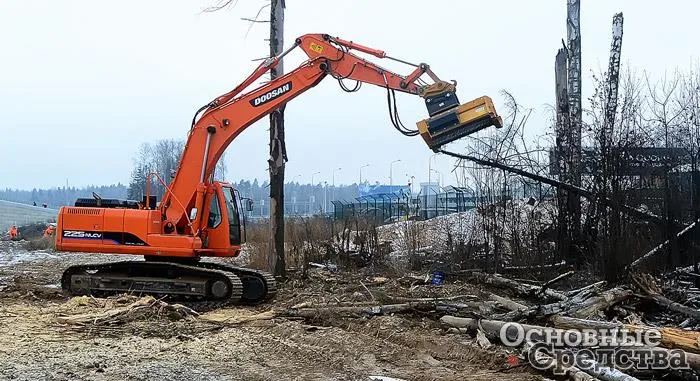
<point x="199" y="217"/>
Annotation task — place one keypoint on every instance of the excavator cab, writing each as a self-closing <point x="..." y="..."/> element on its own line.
<point x="225" y="223"/>
<point x="450" y="121"/>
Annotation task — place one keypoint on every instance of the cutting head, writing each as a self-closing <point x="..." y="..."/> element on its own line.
<point x="450" y="121"/>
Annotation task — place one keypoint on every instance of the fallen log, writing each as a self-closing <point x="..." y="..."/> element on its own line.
<point x="423" y="305"/>
<point x="674" y="306"/>
<point x="606" y="299"/>
<point x="598" y="286"/>
<point x="582" y="305"/>
<point x="520" y="288"/>
<point x="508" y="304"/>
<point x="639" y="261"/>
<point x="669" y="337"/>
<point x="507" y="330"/>
<point x="605" y="373"/>
<point x="647" y="285"/>
<point x="398" y="299"/>
<point x="535" y="267"/>
<point x="500" y="330"/>
<point x="550" y="282"/>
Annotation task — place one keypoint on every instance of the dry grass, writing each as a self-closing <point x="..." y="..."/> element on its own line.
<point x="43" y="243"/>
<point x="351" y="242"/>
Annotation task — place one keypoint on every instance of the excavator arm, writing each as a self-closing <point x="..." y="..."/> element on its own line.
<point x="223" y="119"/>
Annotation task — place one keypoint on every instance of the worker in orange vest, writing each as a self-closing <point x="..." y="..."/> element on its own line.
<point x="13" y="232"/>
<point x="49" y="231"/>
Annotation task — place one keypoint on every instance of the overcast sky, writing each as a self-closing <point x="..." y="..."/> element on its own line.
<point x="84" y="83"/>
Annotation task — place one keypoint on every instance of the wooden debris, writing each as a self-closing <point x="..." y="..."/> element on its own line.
<point x="535" y="267"/>
<point x="646" y="283"/>
<point x="372" y="310"/>
<point x="482" y="340"/>
<point x="572" y="373"/>
<point x="134" y="311"/>
<point x="520" y="288"/>
<point x="492" y="328"/>
<point x="595" y="287"/>
<point x="688" y="341"/>
<point x="592" y="306"/>
<point x="550" y="282"/>
<point x="507" y="303"/>
<point x="227" y="319"/>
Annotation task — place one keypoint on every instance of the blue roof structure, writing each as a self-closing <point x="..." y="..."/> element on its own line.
<point x="372" y="190"/>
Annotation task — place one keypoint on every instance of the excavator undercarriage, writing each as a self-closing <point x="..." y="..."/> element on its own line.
<point x="193" y="282"/>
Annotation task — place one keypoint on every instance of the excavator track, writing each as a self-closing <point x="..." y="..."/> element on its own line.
<point x="258" y="286"/>
<point x="200" y="285"/>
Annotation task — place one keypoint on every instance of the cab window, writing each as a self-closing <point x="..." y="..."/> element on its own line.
<point x="233" y="217"/>
<point x="214" y="212"/>
<point x="231" y="207"/>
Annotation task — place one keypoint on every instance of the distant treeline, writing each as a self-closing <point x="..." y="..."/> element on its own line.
<point x="295" y="193"/>
<point x="162" y="157"/>
<point x="57" y="197"/>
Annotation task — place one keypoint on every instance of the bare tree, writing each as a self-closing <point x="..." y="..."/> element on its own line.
<point x="500" y="220"/>
<point x="161" y="157"/>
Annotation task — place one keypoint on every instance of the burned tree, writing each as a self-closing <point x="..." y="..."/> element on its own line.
<point x="573" y="22"/>
<point x="563" y="153"/>
<point x="567" y="74"/>
<point x="609" y="141"/>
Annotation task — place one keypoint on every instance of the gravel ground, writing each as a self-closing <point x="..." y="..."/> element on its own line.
<point x="34" y="345"/>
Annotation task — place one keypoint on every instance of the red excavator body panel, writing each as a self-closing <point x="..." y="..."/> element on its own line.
<point x="139" y="231"/>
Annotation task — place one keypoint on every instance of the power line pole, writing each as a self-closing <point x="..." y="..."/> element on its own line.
<point x="278" y="151"/>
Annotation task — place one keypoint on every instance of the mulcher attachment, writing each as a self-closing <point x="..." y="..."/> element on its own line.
<point x="450" y="121"/>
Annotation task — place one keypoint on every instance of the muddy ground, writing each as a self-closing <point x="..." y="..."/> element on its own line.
<point x="35" y="345"/>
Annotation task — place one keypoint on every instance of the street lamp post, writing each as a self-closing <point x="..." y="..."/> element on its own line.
<point x="366" y="165"/>
<point x="438" y="173"/>
<point x="333" y="183"/>
<point x="325" y="196"/>
<point x="430" y="161"/>
<point x="313" y="192"/>
<point x="391" y="167"/>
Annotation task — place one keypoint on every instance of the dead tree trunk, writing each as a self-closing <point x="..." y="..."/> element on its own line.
<point x="616" y="258"/>
<point x="573" y="22"/>
<point x="563" y="153"/>
<point x="614" y="70"/>
<point x="278" y="151"/>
